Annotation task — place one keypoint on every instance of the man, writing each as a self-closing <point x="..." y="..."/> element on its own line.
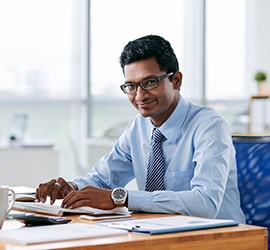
<point x="190" y="170"/>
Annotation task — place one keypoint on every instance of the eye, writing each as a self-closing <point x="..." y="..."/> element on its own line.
<point x="149" y="83"/>
<point x="130" y="86"/>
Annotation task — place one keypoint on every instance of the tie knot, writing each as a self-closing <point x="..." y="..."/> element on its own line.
<point x="157" y="135"/>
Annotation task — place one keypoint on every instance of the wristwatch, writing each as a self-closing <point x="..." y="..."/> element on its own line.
<point x="119" y="196"/>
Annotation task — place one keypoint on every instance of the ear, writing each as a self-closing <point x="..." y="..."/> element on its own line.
<point x="177" y="80"/>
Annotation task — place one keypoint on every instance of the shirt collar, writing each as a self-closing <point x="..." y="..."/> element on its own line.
<point x="171" y="128"/>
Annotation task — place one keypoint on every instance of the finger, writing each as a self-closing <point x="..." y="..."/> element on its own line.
<point x="44" y="190"/>
<point x="62" y="181"/>
<point x="80" y="198"/>
<point x="81" y="203"/>
<point x="71" y="198"/>
<point x="37" y="194"/>
<point x="65" y="187"/>
<point x="55" y="192"/>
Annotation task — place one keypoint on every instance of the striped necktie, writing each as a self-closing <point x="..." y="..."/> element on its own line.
<point x="155" y="170"/>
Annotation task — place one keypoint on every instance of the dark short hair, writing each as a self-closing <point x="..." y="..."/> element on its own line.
<point x="151" y="46"/>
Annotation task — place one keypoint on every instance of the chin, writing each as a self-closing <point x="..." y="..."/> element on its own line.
<point x="144" y="113"/>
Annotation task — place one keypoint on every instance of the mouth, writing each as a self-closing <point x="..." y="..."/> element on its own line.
<point x="145" y="104"/>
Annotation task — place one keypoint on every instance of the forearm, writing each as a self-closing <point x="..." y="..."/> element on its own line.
<point x="184" y="202"/>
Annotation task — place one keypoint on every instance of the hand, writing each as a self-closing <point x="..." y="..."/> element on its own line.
<point x="55" y="189"/>
<point x="89" y="196"/>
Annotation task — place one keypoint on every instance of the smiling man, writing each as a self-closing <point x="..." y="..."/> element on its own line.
<point x="180" y="154"/>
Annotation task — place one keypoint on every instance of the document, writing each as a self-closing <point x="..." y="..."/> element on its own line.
<point x="71" y="231"/>
<point x="169" y="224"/>
<point x="23" y="193"/>
<point x="45" y="208"/>
<point x="23" y="190"/>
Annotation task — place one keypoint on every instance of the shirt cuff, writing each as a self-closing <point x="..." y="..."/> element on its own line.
<point x="139" y="201"/>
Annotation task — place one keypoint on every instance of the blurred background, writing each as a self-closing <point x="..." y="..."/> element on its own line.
<point x="60" y="72"/>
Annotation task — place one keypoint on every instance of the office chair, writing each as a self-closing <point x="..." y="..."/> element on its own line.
<point x="253" y="163"/>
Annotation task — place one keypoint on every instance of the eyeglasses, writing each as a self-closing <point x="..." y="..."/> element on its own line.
<point x="131" y="87"/>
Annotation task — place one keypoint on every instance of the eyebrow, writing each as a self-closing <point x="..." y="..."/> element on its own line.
<point x="146" y="78"/>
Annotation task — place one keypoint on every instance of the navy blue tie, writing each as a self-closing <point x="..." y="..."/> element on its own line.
<point x="155" y="170"/>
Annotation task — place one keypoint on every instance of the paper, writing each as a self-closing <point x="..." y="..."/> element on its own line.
<point x="71" y="231"/>
<point x="23" y="193"/>
<point x="170" y="224"/>
<point x="46" y="208"/>
<point x="23" y="190"/>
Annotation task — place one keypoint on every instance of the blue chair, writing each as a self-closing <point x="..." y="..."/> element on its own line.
<point x="253" y="163"/>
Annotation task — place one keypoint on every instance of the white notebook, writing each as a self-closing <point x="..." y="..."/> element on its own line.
<point x="170" y="224"/>
<point x="45" y="208"/>
<point x="63" y="232"/>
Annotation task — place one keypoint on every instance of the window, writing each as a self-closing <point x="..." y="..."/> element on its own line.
<point x="225" y="49"/>
<point x="38" y="54"/>
<point x="41" y="72"/>
<point x="226" y="88"/>
<point x="113" y="24"/>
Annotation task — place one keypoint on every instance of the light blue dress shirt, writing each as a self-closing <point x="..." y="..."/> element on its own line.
<point x="201" y="174"/>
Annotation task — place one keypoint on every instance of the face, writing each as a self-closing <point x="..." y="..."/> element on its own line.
<point x="157" y="103"/>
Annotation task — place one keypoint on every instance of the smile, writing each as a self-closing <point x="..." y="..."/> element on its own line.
<point x="145" y="104"/>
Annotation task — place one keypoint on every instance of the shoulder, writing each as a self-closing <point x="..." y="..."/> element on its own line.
<point x="203" y="120"/>
<point x="203" y="114"/>
<point x="212" y="127"/>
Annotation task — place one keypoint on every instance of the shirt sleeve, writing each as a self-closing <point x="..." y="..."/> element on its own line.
<point x="112" y="170"/>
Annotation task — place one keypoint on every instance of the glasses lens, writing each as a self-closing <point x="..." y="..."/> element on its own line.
<point x="149" y="84"/>
<point x="129" y="88"/>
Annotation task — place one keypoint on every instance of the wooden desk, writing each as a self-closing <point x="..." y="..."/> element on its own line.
<point x="242" y="237"/>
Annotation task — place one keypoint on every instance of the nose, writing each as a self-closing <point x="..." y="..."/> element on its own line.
<point x="140" y="93"/>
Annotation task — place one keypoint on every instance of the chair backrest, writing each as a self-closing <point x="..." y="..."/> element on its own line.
<point x="253" y="163"/>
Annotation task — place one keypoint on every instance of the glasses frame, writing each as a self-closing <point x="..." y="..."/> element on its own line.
<point x="157" y="79"/>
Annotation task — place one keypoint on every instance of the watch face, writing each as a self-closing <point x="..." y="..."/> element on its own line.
<point x="119" y="194"/>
